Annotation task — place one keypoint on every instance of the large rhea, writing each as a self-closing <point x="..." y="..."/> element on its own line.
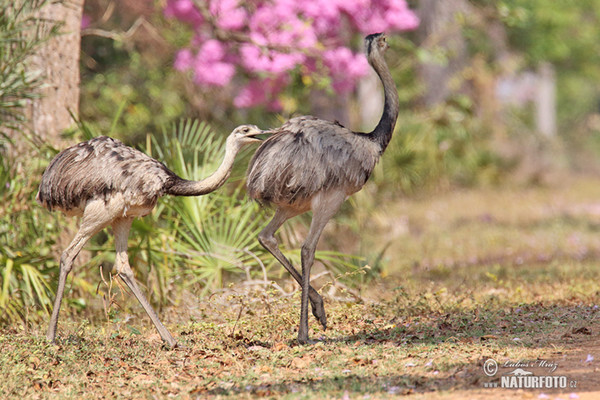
<point x="107" y="183"/>
<point x="312" y="164"/>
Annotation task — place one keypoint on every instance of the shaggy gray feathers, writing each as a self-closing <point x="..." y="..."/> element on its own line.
<point x="96" y="169"/>
<point x="307" y="155"/>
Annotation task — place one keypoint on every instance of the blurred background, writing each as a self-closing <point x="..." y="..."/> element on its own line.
<point x="494" y="94"/>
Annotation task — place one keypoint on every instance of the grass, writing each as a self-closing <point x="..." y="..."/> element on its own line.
<point x="509" y="274"/>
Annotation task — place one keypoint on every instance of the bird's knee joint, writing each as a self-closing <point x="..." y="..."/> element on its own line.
<point x="66" y="262"/>
<point x="126" y="276"/>
<point x="124" y="270"/>
<point x="267" y="241"/>
<point x="307" y="253"/>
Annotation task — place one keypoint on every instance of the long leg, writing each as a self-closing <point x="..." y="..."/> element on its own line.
<point x="91" y="223"/>
<point x="121" y="229"/>
<point x="267" y="239"/>
<point x="324" y="207"/>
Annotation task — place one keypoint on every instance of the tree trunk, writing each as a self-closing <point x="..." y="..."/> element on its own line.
<point x="58" y="61"/>
<point x="440" y="33"/>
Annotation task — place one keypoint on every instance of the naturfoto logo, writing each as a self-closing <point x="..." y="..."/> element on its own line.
<point x="519" y="376"/>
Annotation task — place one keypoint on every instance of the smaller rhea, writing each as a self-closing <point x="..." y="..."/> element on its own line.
<point x="107" y="183"/>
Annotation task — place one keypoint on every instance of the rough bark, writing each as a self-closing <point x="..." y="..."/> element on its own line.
<point x="58" y="61"/>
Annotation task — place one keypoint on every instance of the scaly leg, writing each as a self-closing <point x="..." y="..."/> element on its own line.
<point x="91" y="223"/>
<point x="121" y="229"/>
<point x="267" y="239"/>
<point x="324" y="207"/>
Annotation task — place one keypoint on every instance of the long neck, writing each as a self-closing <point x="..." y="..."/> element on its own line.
<point x="182" y="187"/>
<point x="385" y="128"/>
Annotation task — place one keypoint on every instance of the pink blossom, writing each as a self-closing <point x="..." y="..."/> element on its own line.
<point x="284" y="35"/>
<point x="213" y="74"/>
<point x="401" y="19"/>
<point x="249" y="56"/>
<point x="258" y="92"/>
<point x="234" y="20"/>
<point x="256" y="59"/>
<point x="251" y="95"/>
<point x="183" y="60"/>
<point x="326" y="10"/>
<point x="229" y="14"/>
<point x="388" y="15"/>
<point x="346" y="67"/>
<point x="282" y="62"/>
<point x="353" y="7"/>
<point x="274" y="105"/>
<point x="183" y="10"/>
<point x="211" y="50"/>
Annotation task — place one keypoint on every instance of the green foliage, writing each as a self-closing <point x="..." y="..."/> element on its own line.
<point x="149" y="97"/>
<point x="26" y="232"/>
<point x="565" y="34"/>
<point x="445" y="145"/>
<point x="215" y="234"/>
<point x="21" y="33"/>
<point x="27" y="236"/>
<point x="561" y="32"/>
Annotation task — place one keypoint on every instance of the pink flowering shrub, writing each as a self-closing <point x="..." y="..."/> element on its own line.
<point x="265" y="40"/>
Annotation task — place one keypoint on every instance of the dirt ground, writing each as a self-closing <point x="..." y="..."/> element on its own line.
<point x="574" y="363"/>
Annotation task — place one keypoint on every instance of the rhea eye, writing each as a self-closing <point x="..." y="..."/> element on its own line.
<point x="246" y="130"/>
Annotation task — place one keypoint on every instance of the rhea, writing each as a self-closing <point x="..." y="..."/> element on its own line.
<point x="312" y="164"/>
<point x="107" y="183"/>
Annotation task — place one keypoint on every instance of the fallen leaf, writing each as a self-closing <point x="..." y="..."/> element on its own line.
<point x="279" y="346"/>
<point x="488" y="337"/>
<point x="263" y="369"/>
<point x="301" y="362"/>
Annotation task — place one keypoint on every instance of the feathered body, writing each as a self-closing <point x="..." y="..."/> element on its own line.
<point x="307" y="155"/>
<point x="100" y="168"/>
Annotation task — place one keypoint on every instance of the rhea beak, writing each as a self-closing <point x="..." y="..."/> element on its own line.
<point x="254" y="137"/>
<point x="258" y="135"/>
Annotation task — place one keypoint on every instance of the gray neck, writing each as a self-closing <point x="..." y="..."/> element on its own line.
<point x="183" y="187"/>
<point x="382" y="133"/>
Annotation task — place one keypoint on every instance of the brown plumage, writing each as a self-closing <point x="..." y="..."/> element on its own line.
<point x="107" y="183"/>
<point x="313" y="164"/>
